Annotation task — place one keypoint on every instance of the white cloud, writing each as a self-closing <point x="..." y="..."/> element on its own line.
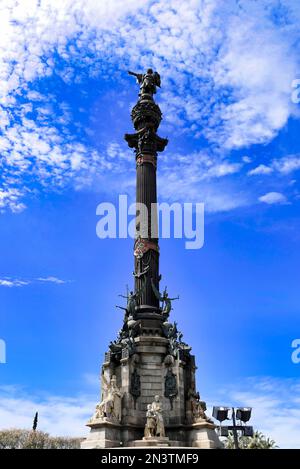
<point x="51" y="279"/>
<point x="223" y="169"/>
<point x="12" y="282"/>
<point x="6" y="282"/>
<point x="10" y="197"/>
<point x="261" y="93"/>
<point x="261" y="169"/>
<point x="246" y="159"/>
<point x="288" y="164"/>
<point x="273" y="198"/>
<point x="58" y="415"/>
<point x="285" y="165"/>
<point x="201" y="177"/>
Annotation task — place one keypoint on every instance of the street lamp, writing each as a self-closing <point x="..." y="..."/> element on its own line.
<point x="243" y="414"/>
<point x="221" y="413"/>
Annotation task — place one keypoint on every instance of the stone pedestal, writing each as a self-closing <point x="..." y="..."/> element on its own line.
<point x="160" y="442"/>
<point x="203" y="435"/>
<point x="103" y="434"/>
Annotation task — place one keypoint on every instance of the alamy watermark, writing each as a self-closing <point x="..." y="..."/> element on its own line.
<point x="185" y="221"/>
<point x="296" y="353"/>
<point x="296" y="91"/>
<point x="2" y="351"/>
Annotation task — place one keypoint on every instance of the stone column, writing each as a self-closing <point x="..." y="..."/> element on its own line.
<point x="146" y="117"/>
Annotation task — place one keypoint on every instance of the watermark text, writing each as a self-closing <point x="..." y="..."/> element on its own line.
<point x="2" y="351"/>
<point x="183" y="221"/>
<point x="296" y="353"/>
<point x="296" y="91"/>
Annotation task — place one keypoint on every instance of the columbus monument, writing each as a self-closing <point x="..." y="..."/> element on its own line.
<point x="148" y="388"/>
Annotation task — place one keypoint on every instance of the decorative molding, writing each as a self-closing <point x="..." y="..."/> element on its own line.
<point x="171" y="388"/>
<point x="146" y="158"/>
<point x="146" y="111"/>
<point x="135" y="386"/>
<point x="142" y="245"/>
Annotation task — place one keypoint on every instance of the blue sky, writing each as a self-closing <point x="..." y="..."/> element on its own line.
<point x="227" y="70"/>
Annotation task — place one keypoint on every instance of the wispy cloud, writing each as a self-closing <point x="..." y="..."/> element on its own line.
<point x="51" y="279"/>
<point x="13" y="282"/>
<point x="58" y="415"/>
<point x="10" y="197"/>
<point x="261" y="169"/>
<point x="288" y="164"/>
<point x="284" y="166"/>
<point x="272" y="198"/>
<point x="204" y="177"/>
<point x="8" y="282"/>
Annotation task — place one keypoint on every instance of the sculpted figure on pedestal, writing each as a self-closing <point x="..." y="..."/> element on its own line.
<point x="148" y="81"/>
<point x="157" y="409"/>
<point x="132" y="299"/>
<point x="155" y="422"/>
<point x="150" y="423"/>
<point x="165" y="299"/>
<point x="198" y="407"/>
<point x="110" y="406"/>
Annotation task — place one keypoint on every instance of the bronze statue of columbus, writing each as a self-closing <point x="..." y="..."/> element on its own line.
<point x="148" y="81"/>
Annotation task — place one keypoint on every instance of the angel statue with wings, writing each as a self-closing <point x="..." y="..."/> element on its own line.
<point x="165" y="299"/>
<point x="148" y="81"/>
<point x="132" y="299"/>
